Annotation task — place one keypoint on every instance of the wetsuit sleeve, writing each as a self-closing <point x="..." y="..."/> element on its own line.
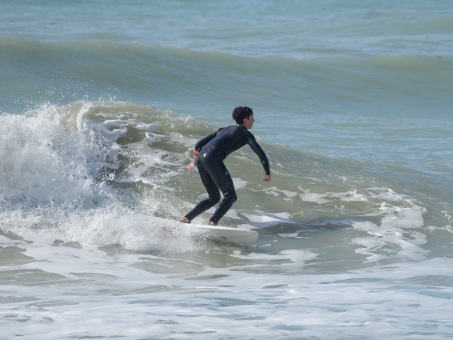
<point x="260" y="153"/>
<point x="201" y="143"/>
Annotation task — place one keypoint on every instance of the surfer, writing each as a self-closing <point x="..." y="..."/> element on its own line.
<point x="209" y="154"/>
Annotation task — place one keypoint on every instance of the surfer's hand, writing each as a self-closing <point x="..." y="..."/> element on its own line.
<point x="267" y="178"/>
<point x="191" y="166"/>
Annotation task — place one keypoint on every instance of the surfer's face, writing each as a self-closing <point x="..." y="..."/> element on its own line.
<point x="248" y="122"/>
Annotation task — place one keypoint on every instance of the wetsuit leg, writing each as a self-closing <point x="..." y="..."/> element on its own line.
<point x="211" y="188"/>
<point x="222" y="178"/>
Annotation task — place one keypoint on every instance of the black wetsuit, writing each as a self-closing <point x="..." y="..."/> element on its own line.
<point x="213" y="149"/>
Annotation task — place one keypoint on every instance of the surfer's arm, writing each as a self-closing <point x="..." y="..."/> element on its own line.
<point x="197" y="149"/>
<point x="262" y="156"/>
<point x="202" y="142"/>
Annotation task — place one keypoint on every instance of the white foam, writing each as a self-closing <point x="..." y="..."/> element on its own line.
<point x="396" y="235"/>
<point x="328" y="197"/>
<point x="43" y="161"/>
<point x="79" y="119"/>
<point x="308" y="196"/>
<point x="158" y="296"/>
<point x="411" y="217"/>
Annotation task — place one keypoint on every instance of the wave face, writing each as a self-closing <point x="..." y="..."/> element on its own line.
<point x="390" y="109"/>
<point x="34" y="71"/>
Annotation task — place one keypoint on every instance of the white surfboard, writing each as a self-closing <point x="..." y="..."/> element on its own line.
<point x="240" y="237"/>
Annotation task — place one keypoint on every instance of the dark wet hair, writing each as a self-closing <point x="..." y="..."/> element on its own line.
<point x="240" y="113"/>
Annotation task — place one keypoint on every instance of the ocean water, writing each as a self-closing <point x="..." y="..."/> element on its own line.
<point x="101" y="103"/>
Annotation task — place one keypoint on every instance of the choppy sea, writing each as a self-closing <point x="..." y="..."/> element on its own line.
<point x="101" y="103"/>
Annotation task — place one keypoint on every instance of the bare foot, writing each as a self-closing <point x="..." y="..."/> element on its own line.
<point x="184" y="220"/>
<point x="212" y="223"/>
